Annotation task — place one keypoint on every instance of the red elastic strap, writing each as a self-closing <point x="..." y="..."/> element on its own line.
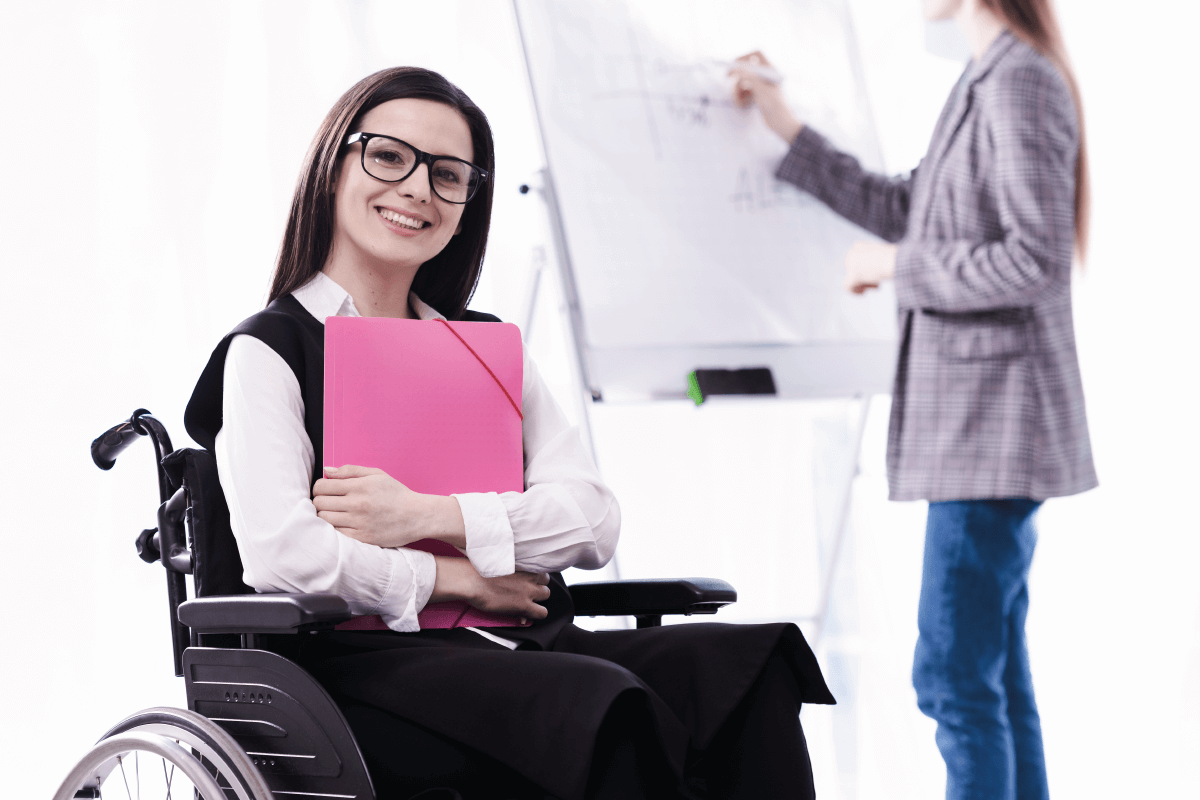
<point x="485" y="366"/>
<point x="466" y="608"/>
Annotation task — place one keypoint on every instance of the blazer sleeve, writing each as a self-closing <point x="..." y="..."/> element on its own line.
<point x="1032" y="132"/>
<point x="874" y="202"/>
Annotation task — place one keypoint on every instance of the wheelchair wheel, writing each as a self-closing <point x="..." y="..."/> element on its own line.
<point x="165" y="752"/>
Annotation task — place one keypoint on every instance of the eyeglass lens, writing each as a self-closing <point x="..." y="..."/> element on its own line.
<point x="390" y="160"/>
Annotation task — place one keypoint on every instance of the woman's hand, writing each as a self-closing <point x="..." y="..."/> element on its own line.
<point x="519" y="594"/>
<point x="751" y="89"/>
<point x="371" y="506"/>
<point x="868" y="264"/>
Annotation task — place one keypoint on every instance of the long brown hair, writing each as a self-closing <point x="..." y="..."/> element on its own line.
<point x="445" y="281"/>
<point x="1034" y="22"/>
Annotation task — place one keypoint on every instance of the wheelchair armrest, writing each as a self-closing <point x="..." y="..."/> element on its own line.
<point x="263" y="613"/>
<point x="651" y="598"/>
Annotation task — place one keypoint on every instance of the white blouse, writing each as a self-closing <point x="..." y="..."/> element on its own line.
<point x="566" y="517"/>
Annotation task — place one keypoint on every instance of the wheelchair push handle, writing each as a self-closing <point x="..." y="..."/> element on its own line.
<point x="110" y="444"/>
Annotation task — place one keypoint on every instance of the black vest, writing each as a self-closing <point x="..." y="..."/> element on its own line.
<point x="299" y="338"/>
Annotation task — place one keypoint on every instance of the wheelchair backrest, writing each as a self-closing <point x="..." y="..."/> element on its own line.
<point x="216" y="564"/>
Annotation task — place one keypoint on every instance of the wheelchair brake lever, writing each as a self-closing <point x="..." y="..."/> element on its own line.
<point x="172" y="536"/>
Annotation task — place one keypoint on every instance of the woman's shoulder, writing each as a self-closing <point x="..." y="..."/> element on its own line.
<point x="283" y="314"/>
<point x="1025" y="87"/>
<point x="285" y="327"/>
<point x="1025" y="73"/>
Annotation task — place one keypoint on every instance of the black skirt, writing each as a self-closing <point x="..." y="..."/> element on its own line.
<point x="539" y="709"/>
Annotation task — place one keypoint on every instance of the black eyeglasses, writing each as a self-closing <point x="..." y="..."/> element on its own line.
<point x="388" y="159"/>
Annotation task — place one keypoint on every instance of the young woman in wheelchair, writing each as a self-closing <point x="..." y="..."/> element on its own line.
<point x="545" y="709"/>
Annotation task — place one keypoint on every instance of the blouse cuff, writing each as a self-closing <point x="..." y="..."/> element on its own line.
<point x="399" y="609"/>
<point x="424" y="571"/>
<point x="489" y="534"/>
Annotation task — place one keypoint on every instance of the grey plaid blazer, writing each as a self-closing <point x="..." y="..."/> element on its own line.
<point x="987" y="401"/>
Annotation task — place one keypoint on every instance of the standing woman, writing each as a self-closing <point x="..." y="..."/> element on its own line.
<point x="987" y="412"/>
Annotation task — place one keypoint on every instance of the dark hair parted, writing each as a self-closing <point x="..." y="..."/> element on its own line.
<point x="445" y="281"/>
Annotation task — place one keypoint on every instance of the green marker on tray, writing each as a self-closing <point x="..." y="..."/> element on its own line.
<point x="694" y="388"/>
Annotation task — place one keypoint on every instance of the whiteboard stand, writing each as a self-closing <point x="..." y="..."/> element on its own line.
<point x="579" y="365"/>
<point x="821" y="619"/>
<point x="585" y="394"/>
<point x="533" y="285"/>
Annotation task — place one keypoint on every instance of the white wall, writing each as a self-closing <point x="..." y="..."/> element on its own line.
<point x="142" y="208"/>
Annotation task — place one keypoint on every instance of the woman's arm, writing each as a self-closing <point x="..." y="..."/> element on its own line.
<point x="1033" y="135"/>
<point x="264" y="459"/>
<point x="874" y="202"/>
<point x="369" y="505"/>
<point x="566" y="517"/>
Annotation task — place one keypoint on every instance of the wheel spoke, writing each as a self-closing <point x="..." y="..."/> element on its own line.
<point x="121" y="764"/>
<point x="185" y="748"/>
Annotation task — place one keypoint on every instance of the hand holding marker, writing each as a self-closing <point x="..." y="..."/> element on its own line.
<point x="763" y="70"/>
<point x="758" y="85"/>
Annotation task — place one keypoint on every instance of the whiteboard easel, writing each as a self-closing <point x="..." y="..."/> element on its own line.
<point x="588" y="389"/>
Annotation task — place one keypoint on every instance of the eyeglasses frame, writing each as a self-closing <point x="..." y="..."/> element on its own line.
<point x="421" y="158"/>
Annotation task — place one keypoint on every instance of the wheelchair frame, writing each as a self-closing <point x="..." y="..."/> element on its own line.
<point x="258" y="725"/>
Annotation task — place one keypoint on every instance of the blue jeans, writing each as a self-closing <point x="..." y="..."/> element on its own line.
<point x="971" y="668"/>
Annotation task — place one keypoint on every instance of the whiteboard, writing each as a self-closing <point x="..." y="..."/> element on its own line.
<point x="682" y="249"/>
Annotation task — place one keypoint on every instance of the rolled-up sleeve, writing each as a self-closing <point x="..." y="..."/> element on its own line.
<point x="265" y="460"/>
<point x="566" y="517"/>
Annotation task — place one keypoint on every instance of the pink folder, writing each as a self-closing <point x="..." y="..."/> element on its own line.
<point x="434" y="404"/>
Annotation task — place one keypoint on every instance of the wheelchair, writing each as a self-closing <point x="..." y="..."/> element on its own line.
<point x="257" y="725"/>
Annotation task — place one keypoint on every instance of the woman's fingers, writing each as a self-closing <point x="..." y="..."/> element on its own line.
<point x="332" y="487"/>
<point x="333" y="502"/>
<point x="540" y="590"/>
<point x="868" y="264"/>
<point x="745" y="87"/>
<point x="520" y="594"/>
<point x="756" y="58"/>
<point x="351" y="471"/>
<point x="749" y="80"/>
<point x="338" y="519"/>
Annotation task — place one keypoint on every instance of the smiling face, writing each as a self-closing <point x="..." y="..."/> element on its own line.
<point x="398" y="225"/>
